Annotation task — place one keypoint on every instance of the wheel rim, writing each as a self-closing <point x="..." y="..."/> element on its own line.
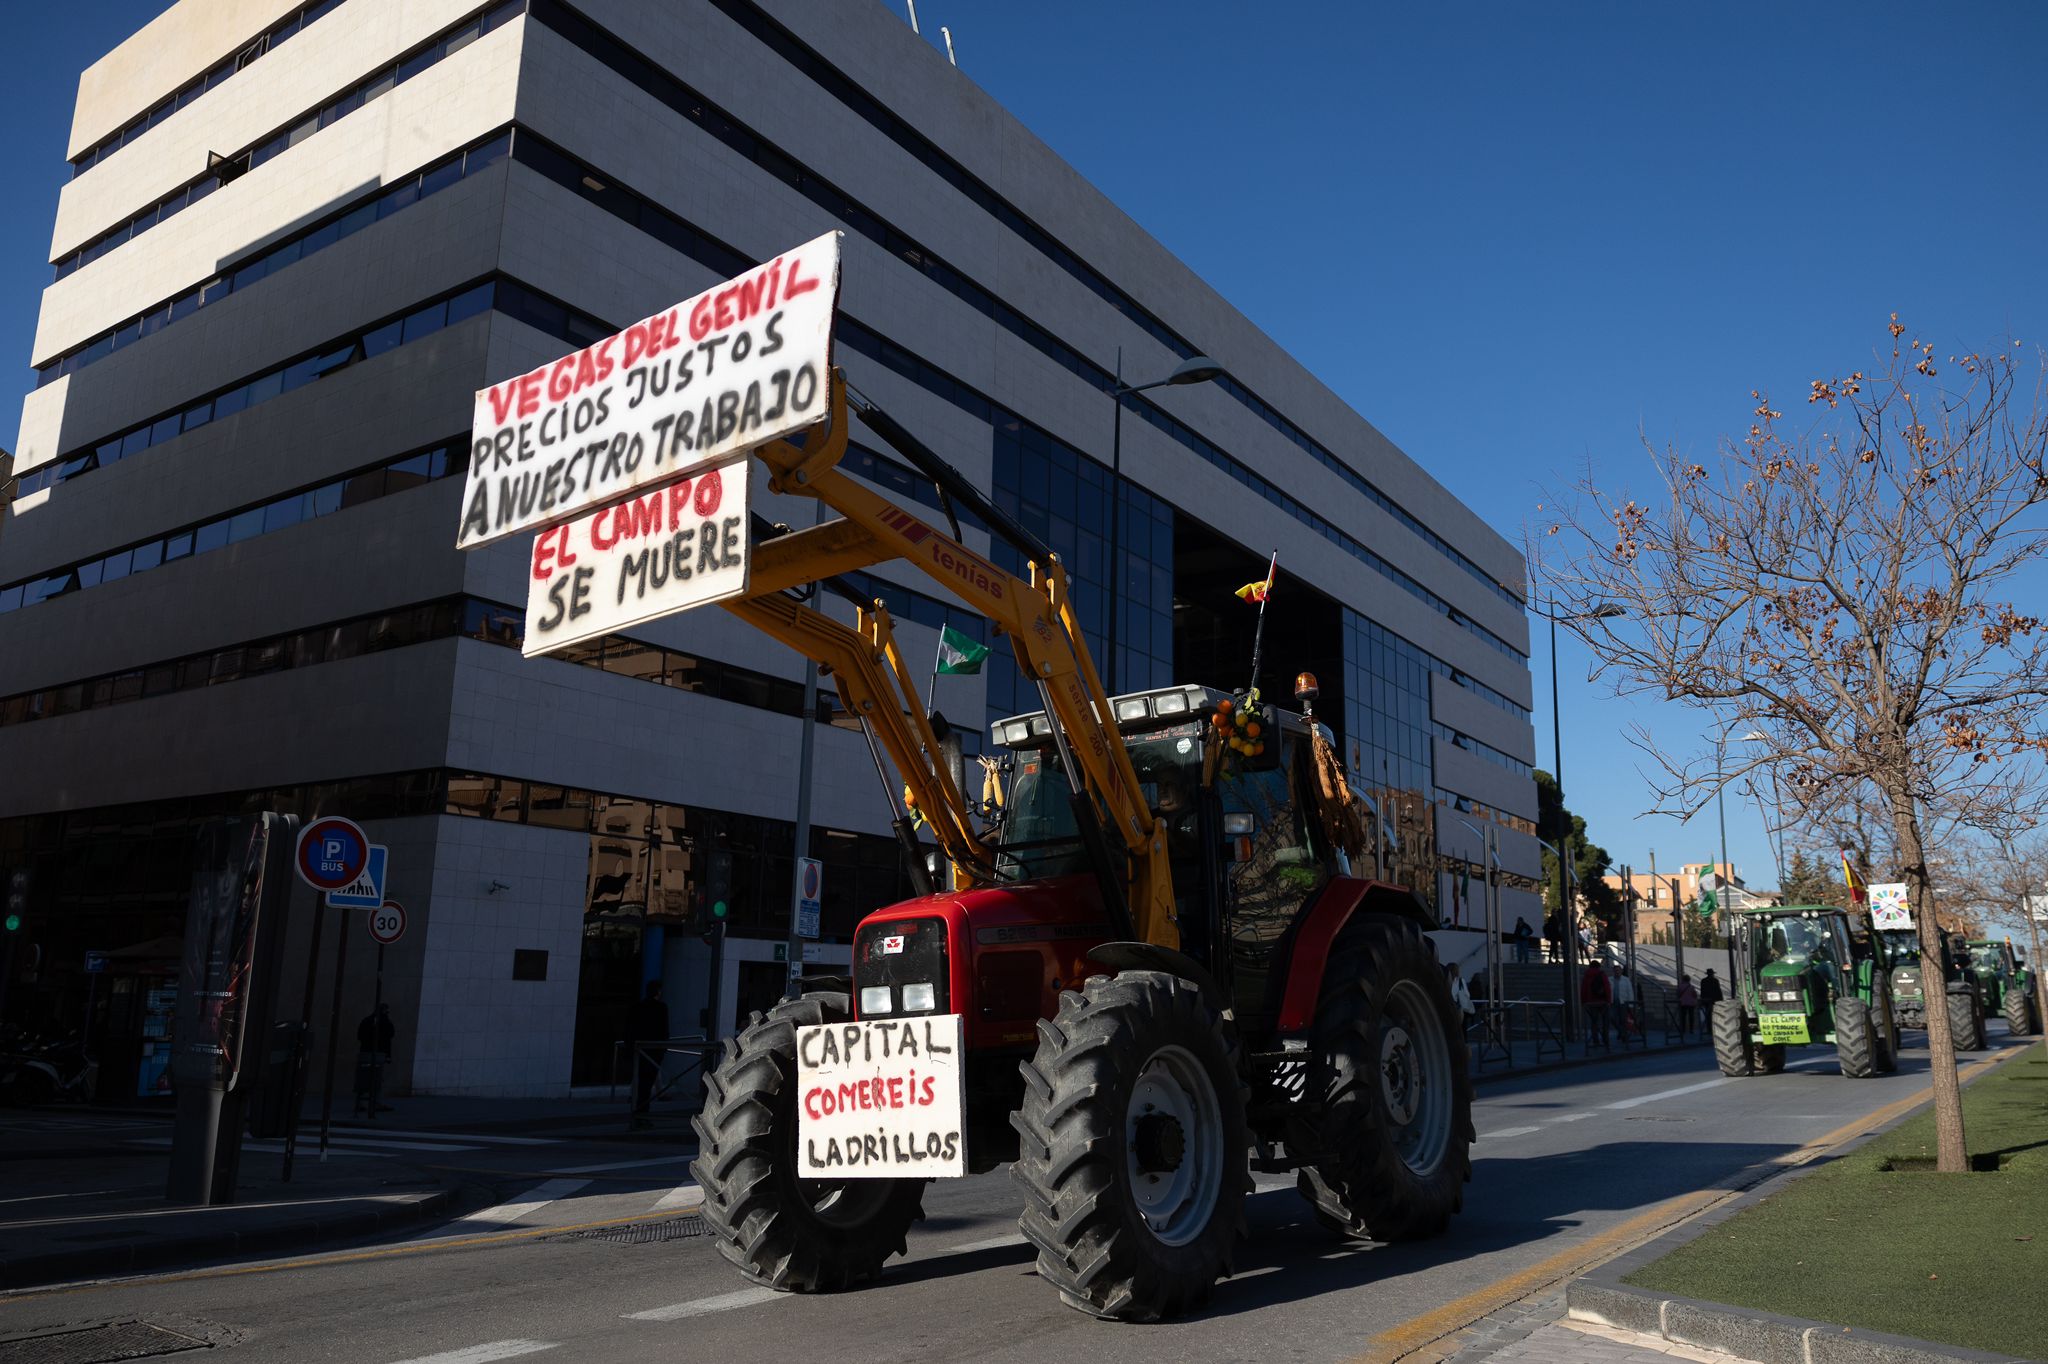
<point x="844" y="1203"/>
<point x="1173" y="1145"/>
<point x="1415" y="1077"/>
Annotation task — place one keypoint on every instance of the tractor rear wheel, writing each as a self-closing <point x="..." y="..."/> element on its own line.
<point x="1389" y="1072"/>
<point x="1855" y="1039"/>
<point x="2018" y="1012"/>
<point x="1730" y="1028"/>
<point x="1965" y="1020"/>
<point x="1132" y="1147"/>
<point x="782" y="1231"/>
<point x="1884" y="1021"/>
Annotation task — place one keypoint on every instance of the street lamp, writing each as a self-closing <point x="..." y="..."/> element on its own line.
<point x="1566" y="923"/>
<point x="1198" y="369"/>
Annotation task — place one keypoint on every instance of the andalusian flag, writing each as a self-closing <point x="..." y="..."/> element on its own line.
<point x="958" y="654"/>
<point x="1256" y="593"/>
<point x="1857" y="895"/>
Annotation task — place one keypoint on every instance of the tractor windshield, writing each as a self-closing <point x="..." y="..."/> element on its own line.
<point x="1039" y="836"/>
<point x="1988" y="956"/>
<point x="1903" y="942"/>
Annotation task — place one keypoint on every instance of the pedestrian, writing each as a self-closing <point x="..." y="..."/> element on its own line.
<point x="1624" y="992"/>
<point x="646" y="1025"/>
<point x="1585" y="940"/>
<point x="1594" y="997"/>
<point x="1710" y="995"/>
<point x="1462" y="997"/>
<point x="1553" y="936"/>
<point x="374" y="1036"/>
<point x="1688" y="1007"/>
<point x="1525" y="940"/>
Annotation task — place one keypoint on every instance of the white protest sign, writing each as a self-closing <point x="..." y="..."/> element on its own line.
<point x="1888" y="907"/>
<point x="679" y="546"/>
<point x="735" y="367"/>
<point x="880" y="1099"/>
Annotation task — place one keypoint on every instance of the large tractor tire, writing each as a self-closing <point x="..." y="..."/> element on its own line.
<point x="803" y="1236"/>
<point x="1965" y="1019"/>
<point x="1730" y="1030"/>
<point x="2019" y="1012"/>
<point x="1884" y="1020"/>
<point x="1389" y="1071"/>
<point x="1856" y="1041"/>
<point x="1132" y="1149"/>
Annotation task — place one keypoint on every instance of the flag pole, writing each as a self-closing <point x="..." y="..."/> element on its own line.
<point x="1259" y="630"/>
<point x="931" y="686"/>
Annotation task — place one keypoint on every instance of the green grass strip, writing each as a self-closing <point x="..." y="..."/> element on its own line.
<point x="1961" y="1259"/>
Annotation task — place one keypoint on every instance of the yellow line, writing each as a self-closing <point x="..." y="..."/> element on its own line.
<point x="346" y="1257"/>
<point x="1417" y="1332"/>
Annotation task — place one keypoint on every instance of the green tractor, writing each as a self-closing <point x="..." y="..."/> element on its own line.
<point x="1963" y="994"/>
<point x="1807" y="975"/>
<point x="2006" y="986"/>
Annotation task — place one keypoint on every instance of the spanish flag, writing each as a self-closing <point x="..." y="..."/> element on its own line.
<point x="1256" y="593"/>
<point x="1855" y="883"/>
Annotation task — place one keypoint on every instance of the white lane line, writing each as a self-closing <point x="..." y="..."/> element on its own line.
<point x="724" y="1302"/>
<point x="1642" y="1099"/>
<point x="992" y="1243"/>
<point x="483" y="1354"/>
<point x="1507" y="1132"/>
<point x="1570" y="1117"/>
<point x="622" y="1165"/>
<point x="355" y="1129"/>
<point x="681" y="1196"/>
<point x="538" y="1197"/>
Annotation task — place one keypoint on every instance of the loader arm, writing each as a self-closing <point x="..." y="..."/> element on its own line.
<point x="1035" y="614"/>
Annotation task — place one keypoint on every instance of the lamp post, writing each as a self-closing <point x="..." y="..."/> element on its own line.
<point x="1567" y="919"/>
<point x="1199" y="369"/>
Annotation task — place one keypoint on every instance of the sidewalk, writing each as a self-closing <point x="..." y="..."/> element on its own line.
<point x="106" y="1215"/>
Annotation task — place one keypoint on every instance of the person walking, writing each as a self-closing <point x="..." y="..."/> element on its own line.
<point x="1688" y="1007"/>
<point x="1594" y="997"/>
<point x="1624" y="992"/>
<point x="646" y="1025"/>
<point x="1525" y="940"/>
<point x="1710" y="995"/>
<point x="1553" y="936"/>
<point x="374" y="1036"/>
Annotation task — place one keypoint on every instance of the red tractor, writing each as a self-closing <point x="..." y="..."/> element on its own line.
<point x="1157" y="968"/>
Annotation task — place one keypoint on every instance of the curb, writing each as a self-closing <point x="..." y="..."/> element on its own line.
<point x="1599" y="1295"/>
<point x="33" y="1271"/>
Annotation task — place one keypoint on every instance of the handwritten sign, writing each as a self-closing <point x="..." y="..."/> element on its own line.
<point x="682" y="545"/>
<point x="881" y="1099"/>
<point x="1776" y="1028"/>
<point x="1888" y="908"/>
<point x="733" y="368"/>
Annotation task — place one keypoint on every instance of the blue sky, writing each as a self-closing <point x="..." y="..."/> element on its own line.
<point x="1512" y="236"/>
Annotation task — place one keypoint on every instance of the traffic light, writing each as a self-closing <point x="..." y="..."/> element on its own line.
<point x="717" y="888"/>
<point x="17" y="900"/>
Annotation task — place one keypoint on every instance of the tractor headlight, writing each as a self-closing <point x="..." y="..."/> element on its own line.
<point x="919" y="997"/>
<point x="875" y="999"/>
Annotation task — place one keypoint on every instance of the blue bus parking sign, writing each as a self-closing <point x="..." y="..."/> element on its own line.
<point x="332" y="852"/>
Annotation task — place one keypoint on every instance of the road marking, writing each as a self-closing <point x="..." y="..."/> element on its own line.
<point x="724" y="1302"/>
<point x="1569" y="1117"/>
<point x="1507" y="1132"/>
<point x="992" y="1243"/>
<point x="538" y="1197"/>
<point x="1642" y="1099"/>
<point x="683" y="1196"/>
<point x="356" y="1130"/>
<point x="483" y="1354"/>
<point x="621" y="1165"/>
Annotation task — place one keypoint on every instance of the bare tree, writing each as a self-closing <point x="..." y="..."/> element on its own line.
<point x="1842" y="598"/>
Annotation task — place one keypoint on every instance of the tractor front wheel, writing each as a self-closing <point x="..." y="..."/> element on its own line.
<point x="1389" y="1072"/>
<point x="1965" y="1020"/>
<point x="1132" y="1146"/>
<point x="1855" y="1039"/>
<point x="782" y="1231"/>
<point x="2019" y="1012"/>
<point x="1730" y="1028"/>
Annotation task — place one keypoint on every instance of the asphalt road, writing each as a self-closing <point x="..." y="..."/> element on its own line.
<point x="1569" y="1166"/>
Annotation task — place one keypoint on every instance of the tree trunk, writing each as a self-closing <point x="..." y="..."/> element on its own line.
<point x="2034" y="962"/>
<point x="1951" y="1155"/>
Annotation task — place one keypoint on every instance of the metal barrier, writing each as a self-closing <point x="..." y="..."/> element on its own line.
<point x="1542" y="1021"/>
<point x="697" y="1048"/>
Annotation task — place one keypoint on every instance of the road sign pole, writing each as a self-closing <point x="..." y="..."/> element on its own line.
<point x="333" y="1031"/>
<point x="803" y="806"/>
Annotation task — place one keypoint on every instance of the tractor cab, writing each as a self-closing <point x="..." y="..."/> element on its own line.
<point x="1801" y="958"/>
<point x="1807" y="974"/>
<point x="1246" y="850"/>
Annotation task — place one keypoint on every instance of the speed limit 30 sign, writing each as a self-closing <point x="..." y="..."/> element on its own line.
<point x="387" y="923"/>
